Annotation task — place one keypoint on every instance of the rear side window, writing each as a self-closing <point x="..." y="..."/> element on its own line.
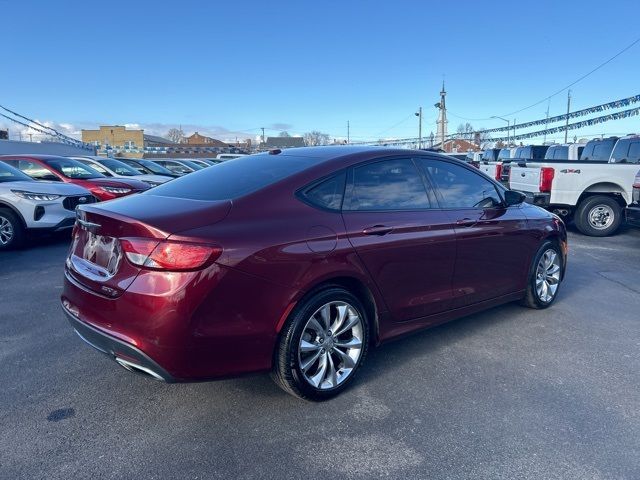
<point x="597" y="151"/>
<point x="634" y="152"/>
<point x="460" y="187"/>
<point x="235" y="178"/>
<point x="388" y="185"/>
<point x="328" y="193"/>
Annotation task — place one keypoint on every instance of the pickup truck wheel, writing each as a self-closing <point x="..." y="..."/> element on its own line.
<point x="11" y="230"/>
<point x="598" y="216"/>
<point x="545" y="276"/>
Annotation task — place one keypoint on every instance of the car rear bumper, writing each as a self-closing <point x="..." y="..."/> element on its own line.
<point x="128" y="356"/>
<point x="633" y="214"/>
<point x="184" y="326"/>
<point x="537" y="198"/>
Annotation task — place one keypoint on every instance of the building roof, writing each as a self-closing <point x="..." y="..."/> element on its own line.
<point x="156" y="139"/>
<point x="457" y="145"/>
<point x="284" y="142"/>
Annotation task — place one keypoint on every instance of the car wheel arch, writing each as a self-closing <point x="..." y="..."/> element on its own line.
<point x="7" y="206"/>
<point x="352" y="284"/>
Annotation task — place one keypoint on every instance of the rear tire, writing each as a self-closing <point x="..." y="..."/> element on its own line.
<point x="598" y="216"/>
<point x="313" y="362"/>
<point x="12" y="233"/>
<point x="545" y="276"/>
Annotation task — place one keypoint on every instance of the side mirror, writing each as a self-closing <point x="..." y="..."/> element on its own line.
<point x="511" y="197"/>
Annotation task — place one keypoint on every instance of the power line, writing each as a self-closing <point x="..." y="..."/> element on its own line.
<point x="632" y="44"/>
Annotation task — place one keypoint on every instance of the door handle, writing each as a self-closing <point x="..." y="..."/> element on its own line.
<point x="466" y="222"/>
<point x="377" y="230"/>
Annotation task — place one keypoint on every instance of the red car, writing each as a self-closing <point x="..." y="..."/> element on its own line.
<point x="297" y="261"/>
<point x="50" y="167"/>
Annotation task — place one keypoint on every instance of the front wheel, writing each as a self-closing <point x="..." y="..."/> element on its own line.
<point x="322" y="345"/>
<point x="598" y="216"/>
<point x="545" y="276"/>
<point x="11" y="230"/>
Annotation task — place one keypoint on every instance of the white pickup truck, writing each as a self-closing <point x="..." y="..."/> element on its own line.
<point x="593" y="190"/>
<point x="499" y="169"/>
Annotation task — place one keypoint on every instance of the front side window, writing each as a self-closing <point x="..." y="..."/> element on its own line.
<point x="328" y="193"/>
<point x="460" y="187"/>
<point x="388" y="185"/>
<point x="34" y="170"/>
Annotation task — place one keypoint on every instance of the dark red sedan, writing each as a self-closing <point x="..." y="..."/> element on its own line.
<point x="51" y="167"/>
<point x="295" y="262"/>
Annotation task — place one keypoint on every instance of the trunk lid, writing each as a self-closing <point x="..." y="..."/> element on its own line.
<point x="96" y="259"/>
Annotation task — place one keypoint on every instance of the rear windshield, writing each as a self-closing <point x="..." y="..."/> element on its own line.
<point x="234" y="179"/>
<point x="10" y="174"/>
<point x="504" y="154"/>
<point x="598" y="150"/>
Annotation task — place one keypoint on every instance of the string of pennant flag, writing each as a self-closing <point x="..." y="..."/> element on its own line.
<point x="578" y="113"/>
<point x="632" y="112"/>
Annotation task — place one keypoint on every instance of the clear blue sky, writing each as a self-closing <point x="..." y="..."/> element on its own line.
<point x="299" y="66"/>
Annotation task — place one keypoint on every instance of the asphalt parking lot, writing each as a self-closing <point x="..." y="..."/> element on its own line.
<point x="509" y="393"/>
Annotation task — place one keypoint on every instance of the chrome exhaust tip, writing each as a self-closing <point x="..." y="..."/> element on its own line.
<point x="135" y="368"/>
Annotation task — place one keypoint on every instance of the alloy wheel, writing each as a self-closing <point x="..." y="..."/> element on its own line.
<point x="331" y="345"/>
<point x="6" y="231"/>
<point x="601" y="217"/>
<point x="548" y="275"/>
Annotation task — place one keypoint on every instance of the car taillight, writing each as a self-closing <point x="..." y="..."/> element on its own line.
<point x="169" y="255"/>
<point x="546" y="179"/>
<point x="498" y="172"/>
<point x="636" y="182"/>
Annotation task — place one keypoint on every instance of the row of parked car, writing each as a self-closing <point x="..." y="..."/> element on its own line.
<point x="39" y="193"/>
<point x="594" y="184"/>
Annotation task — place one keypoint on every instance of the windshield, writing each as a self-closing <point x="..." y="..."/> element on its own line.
<point x="10" y="174"/>
<point x="119" y="168"/>
<point x="154" y="167"/>
<point x="73" y="169"/>
<point x="231" y="180"/>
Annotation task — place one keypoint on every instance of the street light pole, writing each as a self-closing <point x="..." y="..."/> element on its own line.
<point x="419" y="115"/>
<point x="508" y="127"/>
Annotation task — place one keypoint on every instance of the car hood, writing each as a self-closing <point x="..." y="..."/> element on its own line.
<point x="147" y="177"/>
<point x="120" y="182"/>
<point x="55" y="188"/>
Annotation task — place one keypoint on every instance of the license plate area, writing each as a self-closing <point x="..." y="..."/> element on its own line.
<point x="96" y="257"/>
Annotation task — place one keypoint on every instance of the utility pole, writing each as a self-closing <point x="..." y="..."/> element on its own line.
<point x="348" y="132"/>
<point x="419" y="115"/>
<point x="262" y="128"/>
<point x="546" y="123"/>
<point x="514" y="130"/>
<point x="566" y="125"/>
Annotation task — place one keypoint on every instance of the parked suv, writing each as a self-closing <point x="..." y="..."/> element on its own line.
<point x="30" y="206"/>
<point x="62" y="169"/>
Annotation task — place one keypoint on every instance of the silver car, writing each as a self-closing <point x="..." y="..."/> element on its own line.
<point x="112" y="167"/>
<point x="36" y="206"/>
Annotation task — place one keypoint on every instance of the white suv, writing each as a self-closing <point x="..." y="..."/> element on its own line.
<point x="27" y="204"/>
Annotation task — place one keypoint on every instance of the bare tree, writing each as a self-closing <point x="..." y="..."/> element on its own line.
<point x="314" y="138"/>
<point x="465" y="131"/>
<point x="175" y="135"/>
<point x="284" y="133"/>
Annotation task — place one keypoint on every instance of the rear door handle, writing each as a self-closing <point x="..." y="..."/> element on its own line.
<point x="377" y="230"/>
<point x="466" y="222"/>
